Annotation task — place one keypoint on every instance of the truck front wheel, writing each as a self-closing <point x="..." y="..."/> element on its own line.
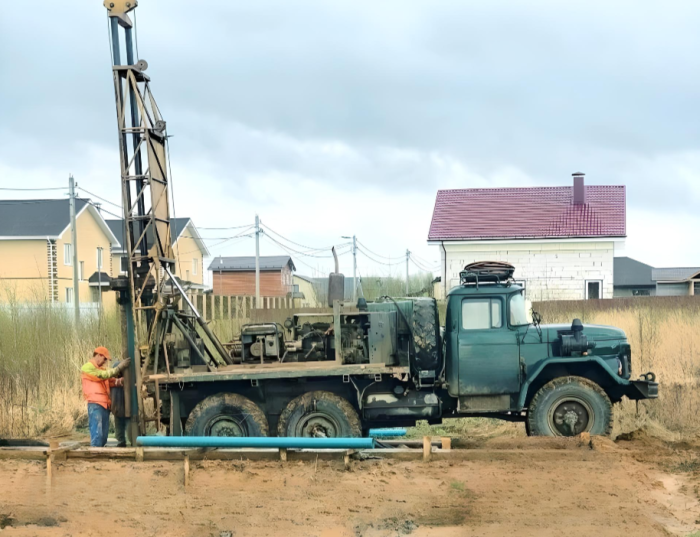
<point x="319" y="415"/>
<point x="569" y="406"/>
<point x="227" y="414"/>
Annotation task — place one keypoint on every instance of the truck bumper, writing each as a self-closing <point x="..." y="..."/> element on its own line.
<point x="642" y="389"/>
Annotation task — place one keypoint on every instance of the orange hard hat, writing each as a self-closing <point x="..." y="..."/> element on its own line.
<point x="103" y="351"/>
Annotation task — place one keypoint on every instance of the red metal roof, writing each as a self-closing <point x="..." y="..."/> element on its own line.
<point x="527" y="213"/>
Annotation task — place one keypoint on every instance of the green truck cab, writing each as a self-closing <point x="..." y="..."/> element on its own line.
<point x="560" y="379"/>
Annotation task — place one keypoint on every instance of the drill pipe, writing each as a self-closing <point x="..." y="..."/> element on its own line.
<point x="255" y="442"/>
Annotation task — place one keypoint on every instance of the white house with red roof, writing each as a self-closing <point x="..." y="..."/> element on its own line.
<point x="561" y="240"/>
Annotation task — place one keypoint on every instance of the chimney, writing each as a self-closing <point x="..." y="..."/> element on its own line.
<point x="579" y="189"/>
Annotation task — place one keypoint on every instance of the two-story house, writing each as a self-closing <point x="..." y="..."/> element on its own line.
<point x="561" y="240"/>
<point x="36" y="251"/>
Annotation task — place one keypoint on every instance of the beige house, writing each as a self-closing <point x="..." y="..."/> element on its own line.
<point x="36" y="252"/>
<point x="188" y="247"/>
<point x="304" y="289"/>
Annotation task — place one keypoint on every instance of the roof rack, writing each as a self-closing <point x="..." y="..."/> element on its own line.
<point x="487" y="272"/>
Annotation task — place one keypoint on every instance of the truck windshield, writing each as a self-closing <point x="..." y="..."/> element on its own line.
<point x="518" y="315"/>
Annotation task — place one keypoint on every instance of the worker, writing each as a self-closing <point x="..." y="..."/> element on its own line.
<point x="97" y="381"/>
<point x="119" y="410"/>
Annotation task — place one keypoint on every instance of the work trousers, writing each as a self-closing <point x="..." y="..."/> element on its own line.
<point x="98" y="418"/>
<point x="120" y="424"/>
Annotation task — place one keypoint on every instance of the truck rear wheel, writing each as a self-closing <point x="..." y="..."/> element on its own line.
<point x="569" y="406"/>
<point x="227" y="414"/>
<point x="319" y="415"/>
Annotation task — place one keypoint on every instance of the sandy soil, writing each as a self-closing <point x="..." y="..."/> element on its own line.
<point x="525" y="487"/>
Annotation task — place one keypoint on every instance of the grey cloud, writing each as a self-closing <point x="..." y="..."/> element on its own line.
<point x="544" y="87"/>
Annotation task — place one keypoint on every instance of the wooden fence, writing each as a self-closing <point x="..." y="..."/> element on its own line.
<point x="272" y="308"/>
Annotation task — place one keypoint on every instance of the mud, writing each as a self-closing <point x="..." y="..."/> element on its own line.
<point x="567" y="487"/>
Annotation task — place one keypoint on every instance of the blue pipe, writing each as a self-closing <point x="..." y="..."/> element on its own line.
<point x="255" y="442"/>
<point x="387" y="432"/>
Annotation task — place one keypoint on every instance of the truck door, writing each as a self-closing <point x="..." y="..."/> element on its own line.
<point x="489" y="363"/>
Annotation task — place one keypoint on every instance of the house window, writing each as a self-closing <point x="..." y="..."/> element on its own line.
<point x="124" y="264"/>
<point x="95" y="292"/>
<point x="295" y="288"/>
<point x="99" y="258"/>
<point x="187" y="275"/>
<point x="69" y="295"/>
<point x="81" y="271"/>
<point x="641" y="292"/>
<point x="68" y="254"/>
<point x="481" y="313"/>
<point x="594" y="289"/>
<point x="194" y="266"/>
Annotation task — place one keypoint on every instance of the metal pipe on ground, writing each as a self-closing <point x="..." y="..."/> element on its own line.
<point x="255" y="442"/>
<point x="387" y="432"/>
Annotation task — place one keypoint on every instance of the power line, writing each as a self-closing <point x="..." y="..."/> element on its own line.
<point x="35" y="189"/>
<point x="290" y="253"/>
<point x="377" y="261"/>
<point x="304" y="253"/>
<point x="99" y="197"/>
<point x="380" y="255"/>
<point x="419" y="266"/>
<point x="224" y="228"/>
<point x="309" y="248"/>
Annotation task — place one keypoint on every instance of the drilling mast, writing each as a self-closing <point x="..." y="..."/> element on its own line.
<point x="150" y="310"/>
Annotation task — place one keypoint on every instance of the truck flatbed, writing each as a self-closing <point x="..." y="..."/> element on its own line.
<point x="278" y="371"/>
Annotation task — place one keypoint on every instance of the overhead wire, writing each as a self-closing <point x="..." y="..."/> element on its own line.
<point x="376" y="260"/>
<point x="290" y="253"/>
<point x="99" y="197"/>
<point x="339" y="253"/>
<point x="380" y="255"/>
<point x="35" y="189"/>
<point x="309" y="248"/>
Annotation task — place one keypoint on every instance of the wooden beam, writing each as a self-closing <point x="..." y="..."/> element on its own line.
<point x="427" y="448"/>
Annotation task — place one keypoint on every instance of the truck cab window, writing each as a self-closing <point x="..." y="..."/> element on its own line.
<point x="481" y="313"/>
<point x="518" y="311"/>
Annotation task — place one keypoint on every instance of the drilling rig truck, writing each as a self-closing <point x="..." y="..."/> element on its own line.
<point x="361" y="365"/>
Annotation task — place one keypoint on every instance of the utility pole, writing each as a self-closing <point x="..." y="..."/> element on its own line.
<point x="354" y="266"/>
<point x="74" y="246"/>
<point x="257" y="262"/>
<point x="354" y="269"/>
<point x="99" y="277"/>
<point x="408" y="256"/>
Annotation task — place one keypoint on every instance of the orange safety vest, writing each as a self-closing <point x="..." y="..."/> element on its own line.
<point x="96" y="390"/>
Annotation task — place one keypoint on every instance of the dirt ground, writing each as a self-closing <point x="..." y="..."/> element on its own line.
<point x="509" y="486"/>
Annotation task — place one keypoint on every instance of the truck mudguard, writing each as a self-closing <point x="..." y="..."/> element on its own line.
<point x="565" y="361"/>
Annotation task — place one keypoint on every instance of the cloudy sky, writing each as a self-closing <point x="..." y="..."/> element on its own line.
<point x="329" y="118"/>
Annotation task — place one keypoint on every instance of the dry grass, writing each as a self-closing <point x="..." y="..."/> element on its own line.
<point x="664" y="335"/>
<point x="41" y="353"/>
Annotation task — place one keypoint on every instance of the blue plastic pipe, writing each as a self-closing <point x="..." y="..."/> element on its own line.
<point x="255" y="442"/>
<point x="387" y="432"/>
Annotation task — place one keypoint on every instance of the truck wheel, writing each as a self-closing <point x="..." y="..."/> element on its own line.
<point x="319" y="415"/>
<point x="426" y="326"/>
<point x="227" y="414"/>
<point x="569" y="406"/>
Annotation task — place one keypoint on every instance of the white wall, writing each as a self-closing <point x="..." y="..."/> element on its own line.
<point x="552" y="269"/>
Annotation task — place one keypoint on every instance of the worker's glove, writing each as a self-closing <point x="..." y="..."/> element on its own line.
<point x="123" y="365"/>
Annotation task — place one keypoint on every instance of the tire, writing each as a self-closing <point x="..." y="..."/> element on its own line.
<point x="320" y="415"/>
<point x="227" y="414"/>
<point x="568" y="406"/>
<point x="426" y="326"/>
